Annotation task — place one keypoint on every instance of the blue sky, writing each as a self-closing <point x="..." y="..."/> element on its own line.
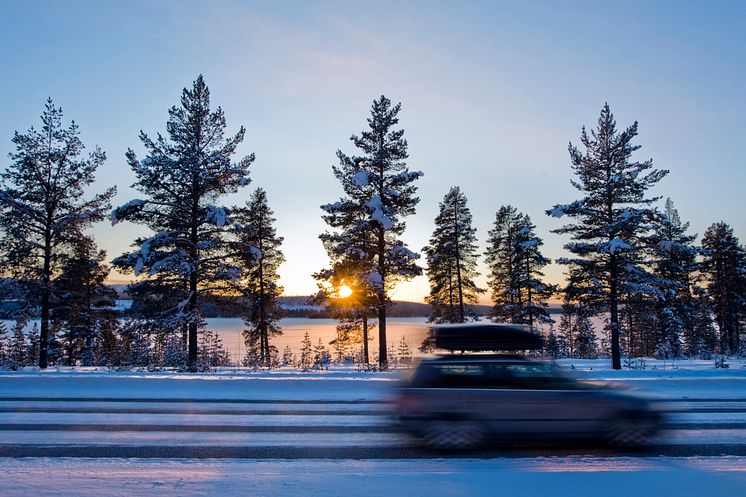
<point x="491" y="94"/>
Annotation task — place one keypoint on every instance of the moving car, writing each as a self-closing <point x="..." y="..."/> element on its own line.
<point x="464" y="400"/>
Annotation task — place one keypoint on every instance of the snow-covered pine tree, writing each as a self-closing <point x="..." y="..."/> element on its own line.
<point x="183" y="178"/>
<point x="566" y="327"/>
<point x="500" y="259"/>
<point x="34" y="344"/>
<point x="528" y="263"/>
<point x="256" y="251"/>
<point x="4" y="345"/>
<point x="321" y="356"/>
<point x="379" y="192"/>
<point x="576" y="331"/>
<point x="83" y="304"/>
<point x="306" y="352"/>
<point x="585" y="337"/>
<point x="288" y="357"/>
<point x="554" y="347"/>
<point x="639" y="326"/>
<point x="212" y="353"/>
<point x="452" y="261"/>
<point x="609" y="220"/>
<point x="724" y="267"/>
<point x="42" y="207"/>
<point x="18" y="350"/>
<point x="674" y="261"/>
<point x="515" y="262"/>
<point x="702" y="340"/>
<point x="404" y="351"/>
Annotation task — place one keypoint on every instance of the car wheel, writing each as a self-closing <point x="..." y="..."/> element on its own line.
<point x="454" y="434"/>
<point x="631" y="431"/>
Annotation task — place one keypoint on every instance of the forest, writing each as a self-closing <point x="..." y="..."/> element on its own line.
<point x="632" y="263"/>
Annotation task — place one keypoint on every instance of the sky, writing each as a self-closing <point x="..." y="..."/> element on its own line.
<point x="491" y="94"/>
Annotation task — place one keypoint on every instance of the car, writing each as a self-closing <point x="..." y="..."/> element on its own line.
<point x="462" y="401"/>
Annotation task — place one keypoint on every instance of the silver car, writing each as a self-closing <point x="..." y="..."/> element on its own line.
<point x="463" y="401"/>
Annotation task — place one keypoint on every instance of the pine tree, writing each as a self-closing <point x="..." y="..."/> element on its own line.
<point x="321" y="356"/>
<point x="287" y="356"/>
<point x="529" y="262"/>
<point x="404" y="351"/>
<point x="585" y="337"/>
<point x="566" y="327"/>
<point x="639" y="326"/>
<point x="554" y="347"/>
<point x="4" y="345"/>
<point x="42" y="206"/>
<point x="610" y="219"/>
<point x="452" y="261"/>
<point x="183" y="177"/>
<point x="212" y="354"/>
<point x="576" y="332"/>
<point x="515" y="262"/>
<point x="17" y="353"/>
<point x="83" y="304"/>
<point x="257" y="252"/>
<point x="379" y="193"/>
<point x="701" y="341"/>
<point x="33" y="347"/>
<point x="500" y="259"/>
<point x="674" y="259"/>
<point x="724" y="267"/>
<point x="306" y="353"/>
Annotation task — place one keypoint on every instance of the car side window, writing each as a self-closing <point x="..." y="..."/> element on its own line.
<point x="492" y="375"/>
<point x="537" y="376"/>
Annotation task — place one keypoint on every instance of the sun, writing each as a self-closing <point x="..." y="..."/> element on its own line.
<point x="345" y="291"/>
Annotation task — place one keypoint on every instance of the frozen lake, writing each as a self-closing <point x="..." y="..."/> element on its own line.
<point x="413" y="330"/>
<point x="229" y="330"/>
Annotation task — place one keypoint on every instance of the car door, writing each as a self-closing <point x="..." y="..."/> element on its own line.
<point x="524" y="398"/>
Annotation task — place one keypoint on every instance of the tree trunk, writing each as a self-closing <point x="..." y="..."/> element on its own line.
<point x="192" y="324"/>
<point x="530" y="296"/>
<point x="616" y="361"/>
<point x="45" y="291"/>
<point x="263" y="338"/>
<point x="383" y="360"/>
<point x="193" y="280"/>
<point x="365" y="340"/>
<point x="458" y="267"/>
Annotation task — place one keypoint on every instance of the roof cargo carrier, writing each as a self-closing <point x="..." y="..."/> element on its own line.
<point x="483" y="337"/>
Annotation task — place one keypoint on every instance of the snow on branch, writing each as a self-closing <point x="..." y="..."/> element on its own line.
<point x="400" y="251"/>
<point x="360" y="178"/>
<point x="616" y="244"/>
<point x="375" y="278"/>
<point x="216" y="215"/>
<point x="334" y="207"/>
<point x="376" y="207"/>
<point x="407" y="176"/>
<point x="256" y="254"/>
<point x="126" y="210"/>
<point x="666" y="245"/>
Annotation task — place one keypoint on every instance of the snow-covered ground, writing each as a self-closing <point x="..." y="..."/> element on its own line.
<point x="541" y="477"/>
<point x="325" y="433"/>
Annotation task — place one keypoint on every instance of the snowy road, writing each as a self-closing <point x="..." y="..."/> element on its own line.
<point x="326" y="434"/>
<point x="334" y="416"/>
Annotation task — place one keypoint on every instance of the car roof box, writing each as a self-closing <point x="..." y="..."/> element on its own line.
<point x="485" y="337"/>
